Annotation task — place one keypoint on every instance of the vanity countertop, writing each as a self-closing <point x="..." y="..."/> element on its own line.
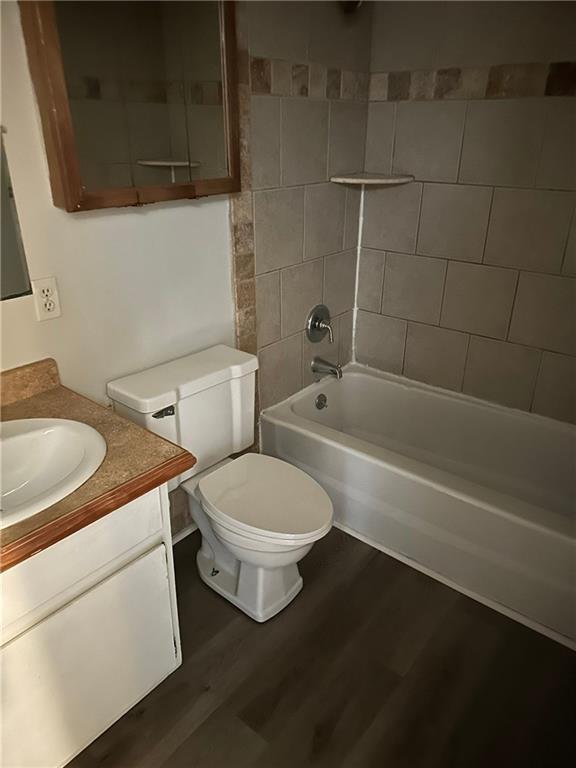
<point x="136" y="460"/>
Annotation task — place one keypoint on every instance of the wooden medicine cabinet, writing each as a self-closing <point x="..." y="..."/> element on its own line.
<point x="138" y="100"/>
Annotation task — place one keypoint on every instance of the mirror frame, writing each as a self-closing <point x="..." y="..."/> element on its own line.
<point x="47" y="70"/>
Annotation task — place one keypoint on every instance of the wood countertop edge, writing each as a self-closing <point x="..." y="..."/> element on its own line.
<point x="31" y="543"/>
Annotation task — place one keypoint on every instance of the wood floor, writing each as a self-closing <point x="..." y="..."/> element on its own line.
<point x="373" y="664"/>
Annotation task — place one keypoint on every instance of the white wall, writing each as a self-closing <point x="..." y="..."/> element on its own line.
<point x="137" y="286"/>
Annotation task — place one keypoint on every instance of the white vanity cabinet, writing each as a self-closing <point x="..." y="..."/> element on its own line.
<point x="89" y="628"/>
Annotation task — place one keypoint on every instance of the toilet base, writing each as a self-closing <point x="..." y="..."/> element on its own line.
<point x="260" y="592"/>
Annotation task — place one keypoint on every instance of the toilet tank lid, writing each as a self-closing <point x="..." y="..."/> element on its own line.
<point x="161" y="386"/>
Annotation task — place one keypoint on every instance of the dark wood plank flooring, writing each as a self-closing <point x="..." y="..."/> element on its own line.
<point x="374" y="664"/>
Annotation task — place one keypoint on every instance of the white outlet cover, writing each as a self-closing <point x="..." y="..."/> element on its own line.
<point x="46" y="299"/>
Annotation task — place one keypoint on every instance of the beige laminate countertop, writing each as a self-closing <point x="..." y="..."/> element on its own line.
<point x="136" y="460"/>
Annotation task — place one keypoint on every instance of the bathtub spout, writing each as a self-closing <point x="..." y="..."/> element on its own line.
<point x="319" y="365"/>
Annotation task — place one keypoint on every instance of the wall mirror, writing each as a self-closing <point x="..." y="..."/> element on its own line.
<point x="137" y="99"/>
<point x="14" y="277"/>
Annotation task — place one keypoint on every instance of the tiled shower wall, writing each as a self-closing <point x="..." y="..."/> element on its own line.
<point x="308" y="83"/>
<point x="467" y="277"/>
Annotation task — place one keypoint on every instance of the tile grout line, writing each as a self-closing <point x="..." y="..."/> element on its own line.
<point x="507" y="337"/>
<point x="536" y="378"/>
<point x="357" y="276"/>
<point x="492" y="196"/>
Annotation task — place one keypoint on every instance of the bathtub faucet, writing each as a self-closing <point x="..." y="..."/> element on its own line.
<point x="319" y="365"/>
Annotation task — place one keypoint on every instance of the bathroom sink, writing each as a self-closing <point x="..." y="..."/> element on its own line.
<point x="43" y="460"/>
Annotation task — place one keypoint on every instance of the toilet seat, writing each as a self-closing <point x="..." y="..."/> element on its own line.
<point x="268" y="500"/>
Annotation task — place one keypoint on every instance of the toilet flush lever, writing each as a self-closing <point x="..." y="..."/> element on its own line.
<point x="318" y="324"/>
<point x="168" y="411"/>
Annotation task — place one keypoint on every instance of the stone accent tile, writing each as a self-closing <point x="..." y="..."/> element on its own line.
<point x="246" y="329"/>
<point x="243" y="266"/>
<point x="245" y="140"/>
<point x="378" y="89"/>
<point x="265" y="145"/>
<point x="513" y="80"/>
<point x="501" y="372"/>
<point x="300" y="291"/>
<point x="260" y="75"/>
<point x="398" y="86"/>
<point x="561" y="79"/>
<point x="345" y="347"/>
<point x="243" y="239"/>
<point x="339" y="282"/>
<point x="347" y="136"/>
<point x="380" y="341"/>
<point x="413" y="287"/>
<point x="323" y="349"/>
<point x="454" y="220"/>
<point x="391" y="218"/>
<point x="545" y="313"/>
<point x="435" y="355"/>
<point x="371" y="279"/>
<point x="355" y="85"/>
<point x="557" y="166"/>
<point x="363" y="85"/>
<point x="447" y="81"/>
<point x="555" y="394"/>
<point x="422" y="84"/>
<point x="278" y="228"/>
<point x="352" y="217"/>
<point x="318" y="81"/>
<point x="428" y="139"/>
<point x="304" y="141"/>
<point x="529" y="228"/>
<point x="333" y="83"/>
<point x="478" y="299"/>
<point x="300" y="78"/>
<point x="380" y="137"/>
<point x="241" y="208"/>
<point x="569" y="266"/>
<point x="268" y="308"/>
<point x="280" y="372"/>
<point x="502" y="141"/>
<point x="324" y="219"/>
<point x="281" y="77"/>
<point x="456" y="83"/>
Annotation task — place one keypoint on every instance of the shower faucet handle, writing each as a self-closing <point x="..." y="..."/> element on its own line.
<point x="318" y="324"/>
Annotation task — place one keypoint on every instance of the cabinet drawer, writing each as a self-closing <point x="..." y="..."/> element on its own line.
<point x="72" y="675"/>
<point x="44" y="582"/>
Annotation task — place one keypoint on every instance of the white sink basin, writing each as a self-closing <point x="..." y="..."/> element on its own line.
<point x="43" y="460"/>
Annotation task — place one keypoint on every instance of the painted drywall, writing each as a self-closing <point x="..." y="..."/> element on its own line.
<point x="137" y="286"/>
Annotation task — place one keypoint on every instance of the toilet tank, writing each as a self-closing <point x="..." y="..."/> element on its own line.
<point x="203" y="402"/>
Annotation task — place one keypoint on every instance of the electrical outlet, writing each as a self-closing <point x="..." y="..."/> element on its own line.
<point x="46" y="299"/>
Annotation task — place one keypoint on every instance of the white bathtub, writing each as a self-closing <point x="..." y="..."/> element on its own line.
<point x="479" y="496"/>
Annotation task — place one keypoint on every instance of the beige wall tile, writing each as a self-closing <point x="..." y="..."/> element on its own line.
<point x="268" y="308"/>
<point x="428" y="139"/>
<point x="501" y="372"/>
<point x="278" y="228"/>
<point x="304" y="141"/>
<point x="557" y="166"/>
<point x="346" y="340"/>
<point x="569" y="266"/>
<point x="370" y="279"/>
<point x="502" y="141"/>
<point x="280" y="372"/>
<point x="276" y="29"/>
<point x="265" y="138"/>
<point x="340" y="281"/>
<point x="300" y="291"/>
<point x="545" y="312"/>
<point x="324" y="218"/>
<point x="347" y="136"/>
<point x="454" y="220"/>
<point x="391" y="218"/>
<point x="338" y="39"/>
<point x="478" y="299"/>
<point x="528" y="229"/>
<point x="380" y="341"/>
<point x="555" y="394"/>
<point x="281" y="77"/>
<point x="352" y="217"/>
<point x="413" y="287"/>
<point x="318" y="75"/>
<point x="378" y="86"/>
<point x="380" y="137"/>
<point x="324" y="349"/>
<point x="435" y="355"/>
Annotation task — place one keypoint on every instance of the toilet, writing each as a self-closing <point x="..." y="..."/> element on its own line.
<point x="258" y="516"/>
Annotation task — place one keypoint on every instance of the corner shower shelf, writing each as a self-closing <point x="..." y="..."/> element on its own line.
<point x="381" y="179"/>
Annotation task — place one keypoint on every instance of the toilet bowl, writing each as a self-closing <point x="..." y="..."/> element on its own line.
<point x="259" y="517"/>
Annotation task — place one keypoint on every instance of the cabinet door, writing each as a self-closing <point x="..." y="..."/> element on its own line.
<point x="72" y="675"/>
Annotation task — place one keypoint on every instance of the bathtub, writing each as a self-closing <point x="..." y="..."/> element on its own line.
<point x="479" y="496"/>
